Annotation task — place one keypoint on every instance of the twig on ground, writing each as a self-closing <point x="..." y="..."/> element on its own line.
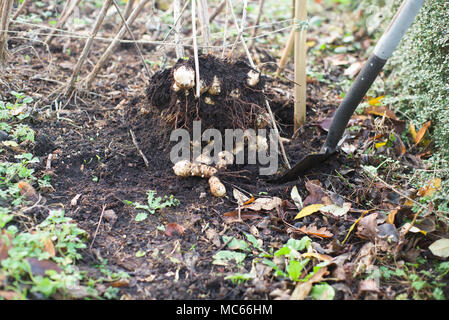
<point x="98" y="227"/>
<point x="147" y="164"/>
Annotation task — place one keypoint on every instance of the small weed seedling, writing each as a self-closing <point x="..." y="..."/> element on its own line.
<point x="154" y="203"/>
<point x="286" y="263"/>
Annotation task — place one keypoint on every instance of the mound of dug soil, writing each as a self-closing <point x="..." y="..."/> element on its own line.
<point x="231" y="94"/>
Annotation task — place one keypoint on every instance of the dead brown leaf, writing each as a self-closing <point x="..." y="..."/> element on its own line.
<point x="353" y="69"/>
<point x="364" y="259"/>
<point x="316" y="193"/>
<point x="9" y="295"/>
<point x="49" y="247"/>
<point x="28" y="191"/>
<point x="315" y="232"/>
<point x="303" y="289"/>
<point x="233" y="216"/>
<point x="422" y="132"/>
<point x="39" y="267"/>
<point x="5" y="245"/>
<point x="368" y="285"/>
<point x="430" y="188"/>
<point x="391" y="215"/>
<point x="381" y="111"/>
<point x="173" y="229"/>
<point x="264" y="204"/>
<point x="120" y="283"/>
<point x="366" y="228"/>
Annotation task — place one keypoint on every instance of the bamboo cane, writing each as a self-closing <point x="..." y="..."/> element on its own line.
<point x="287" y="50"/>
<point x="300" y="65"/>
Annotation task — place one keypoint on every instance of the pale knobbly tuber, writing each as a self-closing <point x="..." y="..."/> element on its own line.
<point x="185" y="168"/>
<point x="202" y="170"/>
<point x="184" y="78"/>
<point x="182" y="168"/>
<point x="204" y="158"/>
<point x="216" y="187"/>
<point x="224" y="158"/>
<point x="203" y="86"/>
<point x="235" y="93"/>
<point x="215" y="88"/>
<point x="253" y="78"/>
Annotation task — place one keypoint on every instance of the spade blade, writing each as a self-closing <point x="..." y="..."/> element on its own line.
<point x="307" y="162"/>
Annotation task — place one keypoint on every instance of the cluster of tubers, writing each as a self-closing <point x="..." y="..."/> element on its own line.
<point x="202" y="168"/>
<point x="184" y="78"/>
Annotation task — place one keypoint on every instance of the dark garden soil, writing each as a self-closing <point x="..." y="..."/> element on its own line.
<point x="96" y="165"/>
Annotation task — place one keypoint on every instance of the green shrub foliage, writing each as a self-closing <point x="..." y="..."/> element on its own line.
<point x="418" y="72"/>
<point x="417" y="81"/>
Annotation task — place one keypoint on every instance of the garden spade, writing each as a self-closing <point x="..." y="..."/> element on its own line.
<point x="372" y="67"/>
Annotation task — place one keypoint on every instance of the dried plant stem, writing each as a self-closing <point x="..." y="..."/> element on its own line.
<point x="92" y="75"/>
<point x="98" y="227"/>
<point x="195" y="50"/>
<point x="267" y="104"/>
<point x="217" y="11"/>
<point x="300" y="66"/>
<point x="129" y="6"/>
<point x="203" y="17"/>
<point x="6" y="7"/>
<point x="87" y="46"/>
<point x="139" y="51"/>
<point x="239" y="29"/>
<point x="287" y="50"/>
<point x="66" y="13"/>
<point x="259" y="15"/>
<point x="20" y="9"/>
<point x="225" y="28"/>
<point x="177" y="18"/>
<point x="133" y="137"/>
